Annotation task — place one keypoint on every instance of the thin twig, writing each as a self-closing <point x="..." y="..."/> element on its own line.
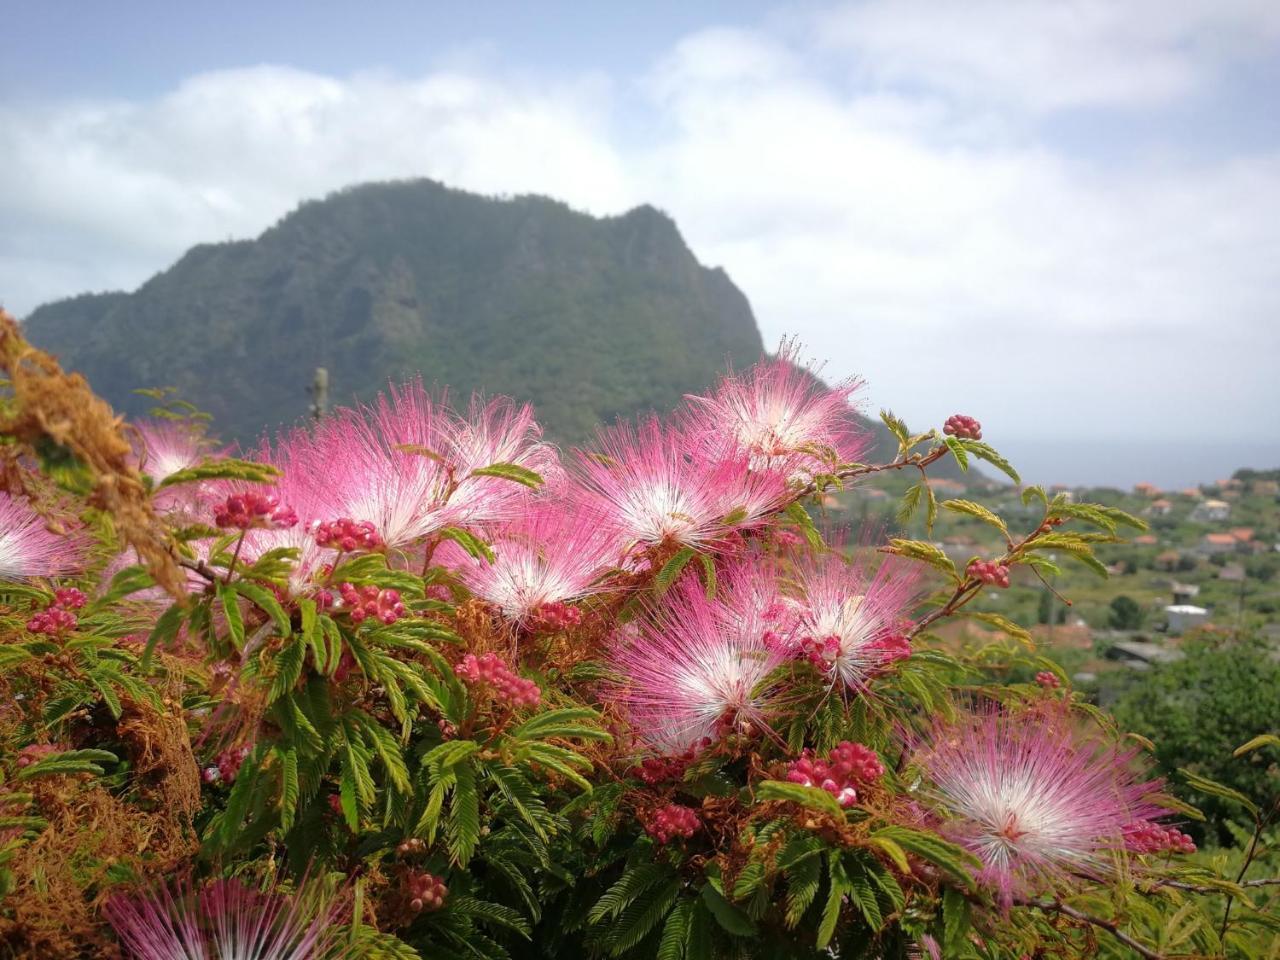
<point x="1111" y="926"/>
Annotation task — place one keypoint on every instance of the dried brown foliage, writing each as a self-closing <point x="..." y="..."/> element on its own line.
<point x="52" y="405"/>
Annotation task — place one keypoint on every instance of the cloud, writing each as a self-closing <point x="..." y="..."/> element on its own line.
<point x="943" y="249"/>
<point x="1047" y="56"/>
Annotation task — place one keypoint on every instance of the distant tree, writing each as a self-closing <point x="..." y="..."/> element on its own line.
<point x="1199" y="709"/>
<point x="1125" y="614"/>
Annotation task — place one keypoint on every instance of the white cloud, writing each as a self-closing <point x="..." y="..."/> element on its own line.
<point x="943" y="251"/>
<point x="1052" y="54"/>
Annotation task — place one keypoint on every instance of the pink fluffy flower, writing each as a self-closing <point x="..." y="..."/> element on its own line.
<point x="163" y="448"/>
<point x="782" y="417"/>
<point x="852" y="619"/>
<point x="648" y="486"/>
<point x="406" y="464"/>
<point x="694" y="669"/>
<point x="28" y="548"/>
<point x="1033" y="797"/>
<point x="546" y="557"/>
<point x="224" y="920"/>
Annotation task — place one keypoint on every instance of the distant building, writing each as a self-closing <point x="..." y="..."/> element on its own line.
<point x="1146" y="489"/>
<point x="1232" y="573"/>
<point x="1140" y="654"/>
<point x="1265" y="488"/>
<point x="1167" y="561"/>
<point x="1146" y="540"/>
<point x="1160" y="508"/>
<point x="1216" y="543"/>
<point x="1184" y="616"/>
<point x="1211" y="511"/>
<point x="1184" y="592"/>
<point x="945" y="485"/>
<point x="1242" y="534"/>
<point x="1192" y="492"/>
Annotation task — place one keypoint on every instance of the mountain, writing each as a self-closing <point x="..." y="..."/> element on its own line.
<point x="589" y="318"/>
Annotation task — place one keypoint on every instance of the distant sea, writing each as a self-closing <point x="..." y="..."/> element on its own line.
<point x="1169" y="464"/>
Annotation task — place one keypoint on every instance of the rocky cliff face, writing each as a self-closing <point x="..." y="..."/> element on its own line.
<point x="589" y="318"/>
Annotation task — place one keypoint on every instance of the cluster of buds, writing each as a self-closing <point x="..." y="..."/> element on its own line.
<point x="57" y="618"/>
<point x="491" y="670"/>
<point x="371" y="601"/>
<point x="1143" y="836"/>
<point x="34" y="752"/>
<point x="1048" y="679"/>
<point x="247" y="511"/>
<point x="673" y="820"/>
<point x="1048" y="525"/>
<point x="227" y="765"/>
<point x="848" y="764"/>
<point x="424" y="891"/>
<point x="989" y="572"/>
<point x="655" y="770"/>
<point x="891" y="648"/>
<point x="347" y="535"/>
<point x="962" y="427"/>
<point x="820" y="651"/>
<point x="411" y="846"/>
<point x="554" y="617"/>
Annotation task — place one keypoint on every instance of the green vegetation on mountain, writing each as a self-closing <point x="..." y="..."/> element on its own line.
<point x="588" y="318"/>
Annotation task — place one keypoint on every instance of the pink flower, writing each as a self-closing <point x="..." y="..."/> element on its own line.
<point x="226" y="919"/>
<point x="694" y="669"/>
<point x="405" y="465"/>
<point x="163" y="448"/>
<point x="547" y="556"/>
<point x="649" y="487"/>
<point x="254" y="510"/>
<point x="848" y="765"/>
<point x="852" y="620"/>
<point x="671" y="821"/>
<point x="490" y="671"/>
<point x="782" y="417"/>
<point x="29" y="549"/>
<point x="1036" y="799"/>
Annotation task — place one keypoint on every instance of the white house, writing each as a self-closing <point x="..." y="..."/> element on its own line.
<point x="1184" y="616"/>
<point x="1211" y="511"/>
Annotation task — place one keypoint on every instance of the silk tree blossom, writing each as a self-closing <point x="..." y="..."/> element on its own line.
<point x="227" y="920"/>
<point x="163" y="448"/>
<point x="782" y="417"/>
<point x="28" y="548"/>
<point x="693" y="670"/>
<point x="852" y="620"/>
<point x="650" y="486"/>
<point x="405" y="465"/>
<point x="1033" y="797"/>
<point x="548" y="556"/>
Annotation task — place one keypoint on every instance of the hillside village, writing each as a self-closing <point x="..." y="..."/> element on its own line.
<point x="1209" y="562"/>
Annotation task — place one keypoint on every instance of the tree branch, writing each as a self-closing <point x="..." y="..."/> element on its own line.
<point x="1111" y="926"/>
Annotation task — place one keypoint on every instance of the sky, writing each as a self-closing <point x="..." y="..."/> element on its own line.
<point x="1059" y="216"/>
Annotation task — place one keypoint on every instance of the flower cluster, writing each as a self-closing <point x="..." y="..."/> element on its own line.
<point x="347" y="535"/>
<point x="1048" y="679"/>
<point x="553" y="617"/>
<point x="673" y="820"/>
<point x="57" y="618"/>
<point x="252" y="511"/>
<point x="1035" y="799"/>
<point x="29" y="548"/>
<point x="34" y="752"/>
<point x="226" y="765"/>
<point x="371" y="602"/>
<point x="962" y="427"/>
<point x="490" y="670"/>
<point x="989" y="572"/>
<point x="655" y="770"/>
<point x="847" y="765"/>
<point x="1143" y="836"/>
<point x="424" y="891"/>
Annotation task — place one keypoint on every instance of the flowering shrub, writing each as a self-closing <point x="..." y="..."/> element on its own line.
<point x="413" y="684"/>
